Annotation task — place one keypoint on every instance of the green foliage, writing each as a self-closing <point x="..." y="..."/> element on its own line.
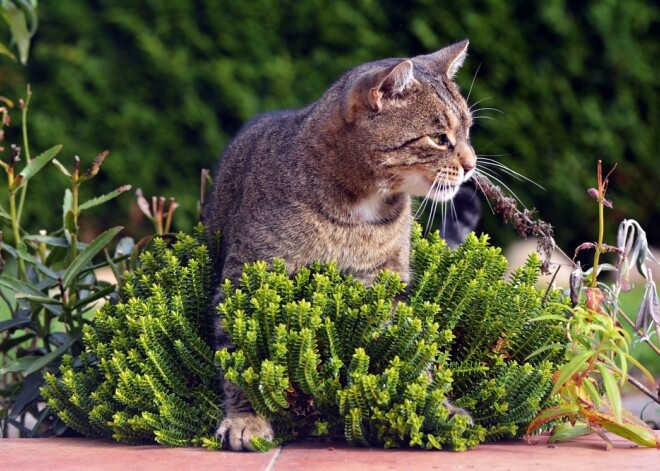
<point x="117" y="73"/>
<point x="146" y="373"/>
<point x="598" y="347"/>
<point x="49" y="287"/>
<point x="318" y="353"/>
<point x="21" y="18"/>
<point x="321" y="354"/>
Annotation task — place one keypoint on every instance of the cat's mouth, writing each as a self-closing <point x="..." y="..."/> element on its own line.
<point x="439" y="186"/>
<point x="443" y="191"/>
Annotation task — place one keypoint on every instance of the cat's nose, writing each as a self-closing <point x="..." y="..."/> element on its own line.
<point x="467" y="157"/>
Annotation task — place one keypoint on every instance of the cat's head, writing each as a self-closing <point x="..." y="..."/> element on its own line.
<point x="411" y="122"/>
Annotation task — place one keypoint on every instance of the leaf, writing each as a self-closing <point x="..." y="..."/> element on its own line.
<point x="20" y="364"/>
<point x="37" y="299"/>
<point x="48" y="358"/>
<point x="86" y="256"/>
<point x="543" y="349"/>
<point x="22" y="252"/>
<point x="18" y="25"/>
<point x="102" y="199"/>
<point x="38" y="163"/>
<point x="566" y="431"/>
<point x="95" y="297"/>
<point x="14" y="324"/>
<point x="6" y="52"/>
<point x="550" y="414"/>
<point x="70" y="223"/>
<point x="612" y="390"/>
<point x="631" y="428"/>
<point x="48" y="240"/>
<point x="588" y="386"/>
<point x="61" y="167"/>
<point x="570" y="369"/>
<point x="18" y="286"/>
<point x="4" y="214"/>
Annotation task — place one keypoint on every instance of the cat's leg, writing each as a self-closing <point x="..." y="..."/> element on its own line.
<point x="240" y="422"/>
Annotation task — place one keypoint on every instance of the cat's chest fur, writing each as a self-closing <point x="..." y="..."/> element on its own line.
<point x="361" y="243"/>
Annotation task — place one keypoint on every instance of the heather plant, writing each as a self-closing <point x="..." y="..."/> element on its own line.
<point x="318" y="352"/>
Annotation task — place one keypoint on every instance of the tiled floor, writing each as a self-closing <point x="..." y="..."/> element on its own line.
<point x="585" y="454"/>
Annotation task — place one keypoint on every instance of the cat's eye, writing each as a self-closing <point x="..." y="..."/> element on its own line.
<point x="441" y="139"/>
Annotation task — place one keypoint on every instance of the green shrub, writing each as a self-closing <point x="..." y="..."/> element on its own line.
<point x="320" y="354"/>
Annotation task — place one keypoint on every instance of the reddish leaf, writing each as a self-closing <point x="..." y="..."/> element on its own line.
<point x="595" y="299"/>
<point x="552" y="413"/>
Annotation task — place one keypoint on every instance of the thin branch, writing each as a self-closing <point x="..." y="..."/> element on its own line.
<point x="639" y="333"/>
<point x="644" y="389"/>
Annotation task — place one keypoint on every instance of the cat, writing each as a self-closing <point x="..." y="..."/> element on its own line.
<point x="334" y="180"/>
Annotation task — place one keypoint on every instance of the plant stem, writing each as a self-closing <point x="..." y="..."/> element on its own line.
<point x="15" y="226"/>
<point x="26" y="148"/>
<point x="644" y="389"/>
<point x="601" y="227"/>
<point x="639" y="333"/>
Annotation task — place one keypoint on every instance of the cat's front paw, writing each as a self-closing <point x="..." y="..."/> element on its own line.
<point x="237" y="431"/>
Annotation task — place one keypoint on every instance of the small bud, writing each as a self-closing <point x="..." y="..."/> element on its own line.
<point x="593" y="193"/>
<point x="21" y="103"/>
<point x="143" y="204"/>
<point x="96" y="165"/>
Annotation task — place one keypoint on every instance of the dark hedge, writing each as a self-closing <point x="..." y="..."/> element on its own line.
<point x="164" y="84"/>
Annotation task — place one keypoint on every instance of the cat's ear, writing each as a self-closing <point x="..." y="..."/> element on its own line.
<point x="446" y="61"/>
<point x="373" y="88"/>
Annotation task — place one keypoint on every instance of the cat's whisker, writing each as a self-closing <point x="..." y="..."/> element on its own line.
<point x="472" y="84"/>
<point x="487" y="109"/>
<point x="434" y="207"/>
<point x="497" y="155"/>
<point x="482" y="117"/>
<point x="424" y="202"/>
<point x="483" y="192"/>
<point x="490" y="176"/>
<point x="494" y="164"/>
<point x="477" y="102"/>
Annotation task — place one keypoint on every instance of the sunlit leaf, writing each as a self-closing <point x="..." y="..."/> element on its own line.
<point x="630" y="428"/>
<point x="593" y="393"/>
<point x="612" y="390"/>
<point x="38" y="163"/>
<point x="570" y="369"/>
<point x="566" y="431"/>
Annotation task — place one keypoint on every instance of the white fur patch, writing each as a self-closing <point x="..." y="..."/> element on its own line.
<point x="369" y="209"/>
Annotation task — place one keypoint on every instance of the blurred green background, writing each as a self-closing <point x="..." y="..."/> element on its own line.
<point x="164" y="84"/>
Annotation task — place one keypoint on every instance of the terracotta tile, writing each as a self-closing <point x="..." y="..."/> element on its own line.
<point x="585" y="454"/>
<point x="45" y="454"/>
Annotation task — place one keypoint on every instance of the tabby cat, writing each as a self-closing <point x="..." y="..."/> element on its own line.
<point x="333" y="181"/>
